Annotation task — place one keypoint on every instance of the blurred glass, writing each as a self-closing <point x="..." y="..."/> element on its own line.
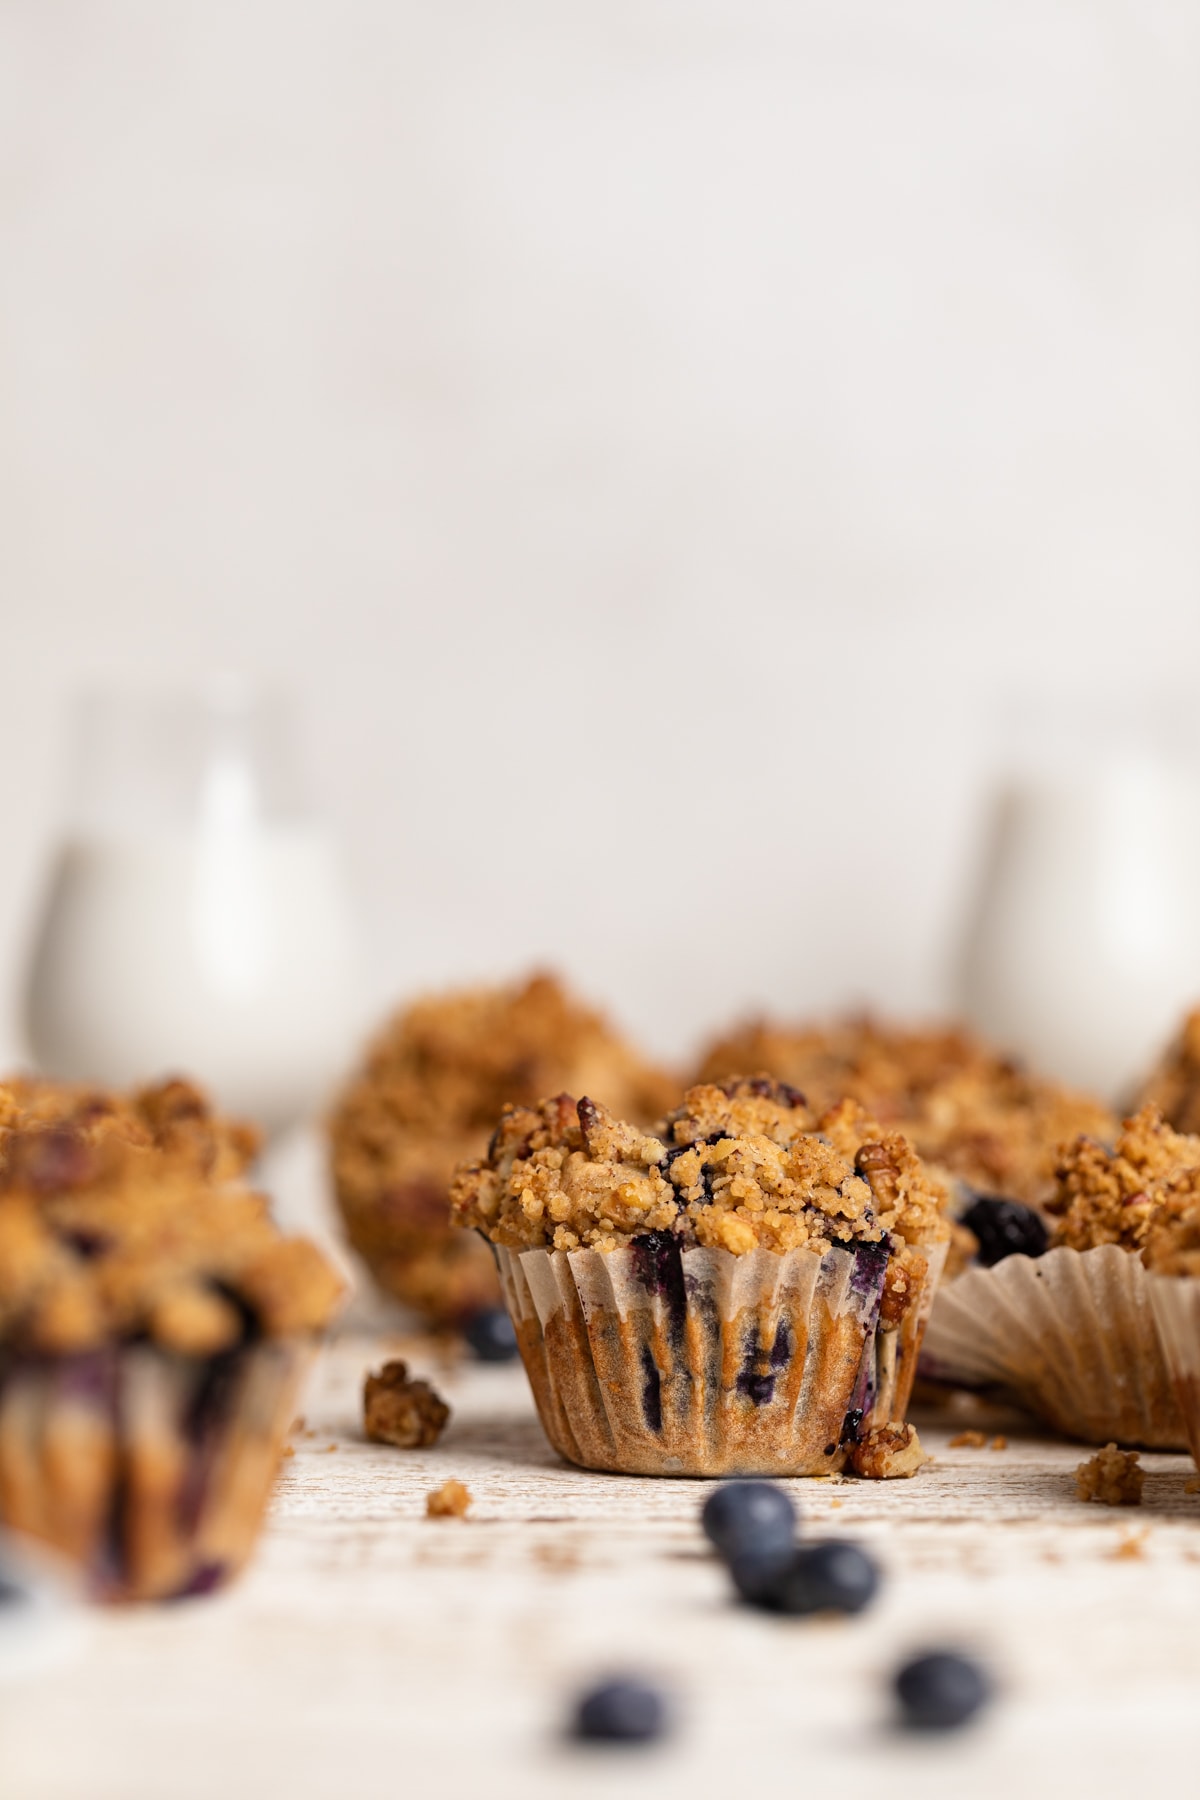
<point x="195" y="919"/>
<point x="1083" y="948"/>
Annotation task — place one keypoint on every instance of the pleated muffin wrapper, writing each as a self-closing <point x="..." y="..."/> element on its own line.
<point x="151" y="1472"/>
<point x="654" y="1359"/>
<point x="1176" y="1303"/>
<point x="1071" y="1335"/>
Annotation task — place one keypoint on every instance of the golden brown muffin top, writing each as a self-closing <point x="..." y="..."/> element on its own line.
<point x="966" y="1107"/>
<point x="104" y="1240"/>
<point x="439" y="1072"/>
<point x="739" y="1167"/>
<point x="1174" y="1086"/>
<point x="1123" y="1195"/>
<point x="171" y="1115"/>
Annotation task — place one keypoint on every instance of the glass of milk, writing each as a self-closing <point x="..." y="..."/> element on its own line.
<point x="195" y="920"/>
<point x="1083" y="949"/>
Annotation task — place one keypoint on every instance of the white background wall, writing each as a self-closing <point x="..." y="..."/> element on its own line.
<point x="650" y="436"/>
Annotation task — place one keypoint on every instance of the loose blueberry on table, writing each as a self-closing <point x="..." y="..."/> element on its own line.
<point x="1005" y="1228"/>
<point x="941" y="1690"/>
<point x="11" y="1592"/>
<point x="832" y="1576"/>
<point x="626" y="1711"/>
<point x="491" y="1336"/>
<point x="749" y="1518"/>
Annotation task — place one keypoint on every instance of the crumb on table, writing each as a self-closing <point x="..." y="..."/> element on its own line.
<point x="1111" y="1478"/>
<point x="450" y="1501"/>
<point x="967" y="1440"/>
<point x="409" y="1414"/>
<point x="888" y="1453"/>
<point x="999" y="1443"/>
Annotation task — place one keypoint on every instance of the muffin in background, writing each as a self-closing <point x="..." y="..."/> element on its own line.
<point x="154" y="1328"/>
<point x="172" y="1115"/>
<point x="966" y="1107"/>
<point x="741" y="1292"/>
<point x="1072" y="1332"/>
<point x="427" y="1097"/>
<point x="1174" y="1085"/>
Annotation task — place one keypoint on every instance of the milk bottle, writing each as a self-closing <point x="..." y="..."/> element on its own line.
<point x="195" y="919"/>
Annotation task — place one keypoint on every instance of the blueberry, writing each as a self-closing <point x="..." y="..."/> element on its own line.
<point x="755" y="1570"/>
<point x="1005" y="1228"/>
<point x="625" y="1711"/>
<point x="833" y="1576"/>
<point x="941" y="1690"/>
<point x="743" y="1516"/>
<point x="491" y="1336"/>
<point x="12" y="1592"/>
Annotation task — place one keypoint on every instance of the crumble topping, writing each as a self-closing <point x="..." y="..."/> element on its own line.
<point x="104" y="1240"/>
<point x="172" y="1115"/>
<point x="888" y="1453"/>
<point x="738" y="1167"/>
<point x="400" y="1411"/>
<point x="964" y="1106"/>
<point x="428" y="1096"/>
<point x="1111" y="1478"/>
<point x="450" y="1501"/>
<point x="1174" y="1086"/>
<point x="1144" y="1194"/>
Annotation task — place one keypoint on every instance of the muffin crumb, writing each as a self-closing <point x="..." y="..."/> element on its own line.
<point x="967" y="1440"/>
<point x="888" y="1453"/>
<point x="999" y="1443"/>
<point x="1111" y="1478"/>
<point x="450" y="1501"/>
<point x="396" y="1410"/>
<point x="1131" y="1548"/>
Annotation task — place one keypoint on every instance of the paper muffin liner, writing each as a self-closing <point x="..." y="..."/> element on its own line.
<point x="1176" y="1303"/>
<point x="652" y="1360"/>
<point x="1071" y="1334"/>
<point x="149" y="1471"/>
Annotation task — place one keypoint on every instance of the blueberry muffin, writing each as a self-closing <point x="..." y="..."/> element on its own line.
<point x="741" y="1291"/>
<point x="154" y="1326"/>
<point x="428" y="1096"/>
<point x="1070" y="1327"/>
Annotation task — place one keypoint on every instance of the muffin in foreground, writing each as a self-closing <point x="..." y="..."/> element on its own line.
<point x="966" y="1107"/>
<point x="1072" y="1332"/>
<point x="154" y="1327"/>
<point x="427" y="1097"/>
<point x="734" y="1294"/>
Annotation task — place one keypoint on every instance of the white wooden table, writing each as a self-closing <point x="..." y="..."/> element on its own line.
<point x="373" y="1652"/>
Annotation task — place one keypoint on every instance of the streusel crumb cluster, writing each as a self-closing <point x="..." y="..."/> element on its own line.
<point x="170" y="1115"/>
<point x="1143" y="1194"/>
<point x="103" y="1240"/>
<point x="964" y="1106"/>
<point x="1174" y="1086"/>
<point x="737" y="1167"/>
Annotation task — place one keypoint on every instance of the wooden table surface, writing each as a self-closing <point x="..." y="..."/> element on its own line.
<point x="371" y="1651"/>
